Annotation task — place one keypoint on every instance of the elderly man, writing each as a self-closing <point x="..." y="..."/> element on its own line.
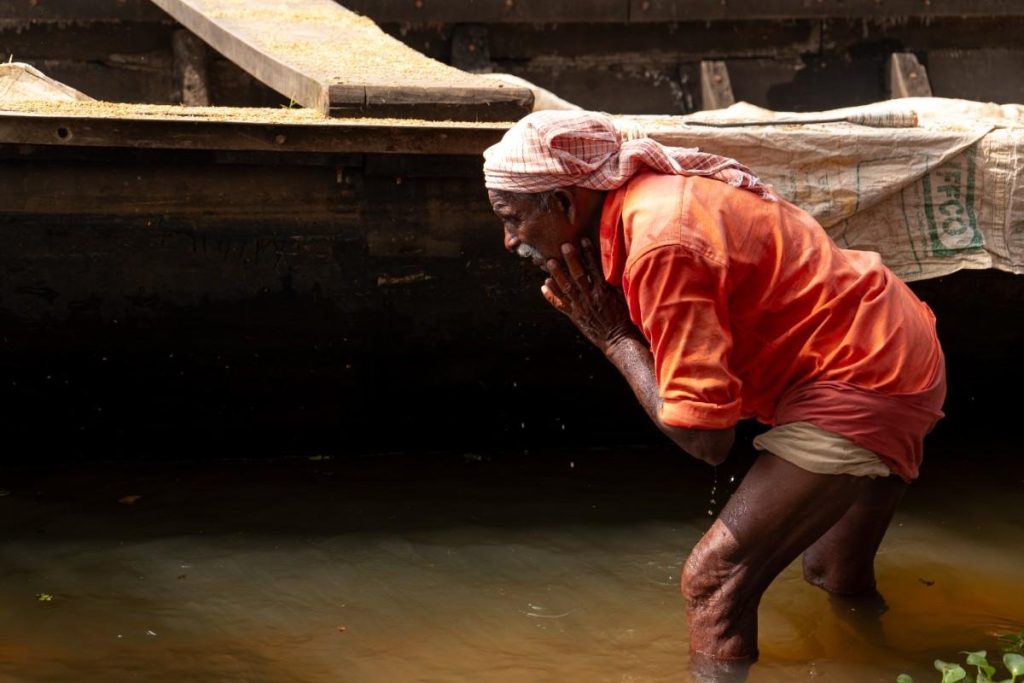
<point x="718" y="301"/>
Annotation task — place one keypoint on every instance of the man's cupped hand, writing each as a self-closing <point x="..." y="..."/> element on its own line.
<point x="577" y="288"/>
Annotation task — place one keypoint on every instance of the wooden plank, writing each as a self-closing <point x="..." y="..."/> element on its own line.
<point x="460" y="104"/>
<point x="190" y="73"/>
<point x="907" y="78"/>
<point x="984" y="75"/>
<point x="422" y="166"/>
<point x="327" y="58"/>
<point x="204" y="191"/>
<point x="470" y="49"/>
<point x="542" y="97"/>
<point x="693" y="10"/>
<point x="715" y="87"/>
<point x="923" y="34"/>
<point x="637" y="91"/>
<point x="547" y="11"/>
<point x="638" y="88"/>
<point x="115" y="82"/>
<point x="610" y="45"/>
<point x="621" y="11"/>
<point x="80" y="10"/>
<point x="492" y="11"/>
<point x="807" y="84"/>
<point x="184" y="133"/>
<point x="84" y="41"/>
<point x="23" y="82"/>
<point x="233" y="87"/>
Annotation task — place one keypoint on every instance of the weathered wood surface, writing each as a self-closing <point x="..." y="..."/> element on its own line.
<point x="190" y="69"/>
<point x="621" y="11"/>
<point x="123" y="128"/>
<point x="683" y="10"/>
<point x="330" y="59"/>
<point x="608" y="44"/>
<point x="921" y="34"/>
<point x="81" y="10"/>
<point x="153" y="82"/>
<point x="538" y="11"/>
<point x="493" y="11"/>
<point x="23" y="82"/>
<point x="715" y="87"/>
<point x="628" y="89"/>
<point x="787" y="65"/>
<point x="986" y="74"/>
<point x="907" y="77"/>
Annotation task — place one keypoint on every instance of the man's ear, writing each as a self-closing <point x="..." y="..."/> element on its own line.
<point x="567" y="203"/>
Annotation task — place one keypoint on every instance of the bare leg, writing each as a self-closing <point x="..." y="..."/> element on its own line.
<point x="776" y="513"/>
<point x="842" y="561"/>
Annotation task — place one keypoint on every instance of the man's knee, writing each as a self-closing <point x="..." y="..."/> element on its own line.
<point x="721" y="600"/>
<point x="711" y="574"/>
<point x="816" y="570"/>
<point x="845" y="577"/>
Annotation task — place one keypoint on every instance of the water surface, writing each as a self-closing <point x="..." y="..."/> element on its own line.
<point x="562" y="567"/>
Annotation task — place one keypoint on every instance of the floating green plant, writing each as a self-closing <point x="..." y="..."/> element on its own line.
<point x="953" y="673"/>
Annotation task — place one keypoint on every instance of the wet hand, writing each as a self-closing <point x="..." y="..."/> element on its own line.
<point x="578" y="290"/>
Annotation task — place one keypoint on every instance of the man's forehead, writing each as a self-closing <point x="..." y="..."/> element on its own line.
<point x="510" y="200"/>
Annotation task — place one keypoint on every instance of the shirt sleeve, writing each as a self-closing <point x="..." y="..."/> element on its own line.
<point x="677" y="298"/>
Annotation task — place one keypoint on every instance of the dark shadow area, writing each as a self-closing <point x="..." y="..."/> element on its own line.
<point x="288" y="374"/>
<point x="404" y="493"/>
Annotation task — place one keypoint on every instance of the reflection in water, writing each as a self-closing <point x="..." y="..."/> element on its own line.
<point x="439" y="568"/>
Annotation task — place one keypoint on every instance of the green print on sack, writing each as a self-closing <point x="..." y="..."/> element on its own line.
<point x="949" y="207"/>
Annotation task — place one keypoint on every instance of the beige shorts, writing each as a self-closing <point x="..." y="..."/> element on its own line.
<point x="816" y="450"/>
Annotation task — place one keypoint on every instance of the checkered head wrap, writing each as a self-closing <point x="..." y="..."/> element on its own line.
<point x="550" y="149"/>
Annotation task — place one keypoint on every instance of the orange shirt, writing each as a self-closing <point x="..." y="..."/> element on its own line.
<point x="745" y="300"/>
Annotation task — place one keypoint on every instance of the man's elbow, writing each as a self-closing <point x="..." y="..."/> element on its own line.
<point x="710" y="445"/>
<point x="713" y="455"/>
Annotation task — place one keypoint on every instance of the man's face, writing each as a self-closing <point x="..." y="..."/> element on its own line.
<point x="532" y="231"/>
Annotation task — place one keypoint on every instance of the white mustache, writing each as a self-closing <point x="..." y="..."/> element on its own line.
<point x="528" y="252"/>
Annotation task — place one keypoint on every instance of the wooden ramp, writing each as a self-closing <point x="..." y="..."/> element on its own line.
<point x="327" y="58"/>
<point x="25" y="83"/>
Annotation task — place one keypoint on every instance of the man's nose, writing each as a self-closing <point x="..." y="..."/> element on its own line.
<point x="511" y="241"/>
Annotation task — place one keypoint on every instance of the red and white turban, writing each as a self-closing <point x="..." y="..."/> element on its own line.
<point x="550" y="149"/>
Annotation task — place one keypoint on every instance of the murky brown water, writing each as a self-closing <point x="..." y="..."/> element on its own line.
<point x="440" y="568"/>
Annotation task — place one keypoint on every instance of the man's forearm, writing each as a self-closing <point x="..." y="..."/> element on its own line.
<point x="631" y="355"/>
<point x="600" y="313"/>
<point x="633" y="358"/>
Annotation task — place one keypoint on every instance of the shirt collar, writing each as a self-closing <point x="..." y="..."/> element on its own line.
<point x="613" y="247"/>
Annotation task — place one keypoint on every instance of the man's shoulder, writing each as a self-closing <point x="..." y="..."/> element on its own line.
<point x="661" y="210"/>
<point x="681" y="194"/>
<point x="655" y="196"/>
<point x="652" y="211"/>
<point x="648" y="184"/>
